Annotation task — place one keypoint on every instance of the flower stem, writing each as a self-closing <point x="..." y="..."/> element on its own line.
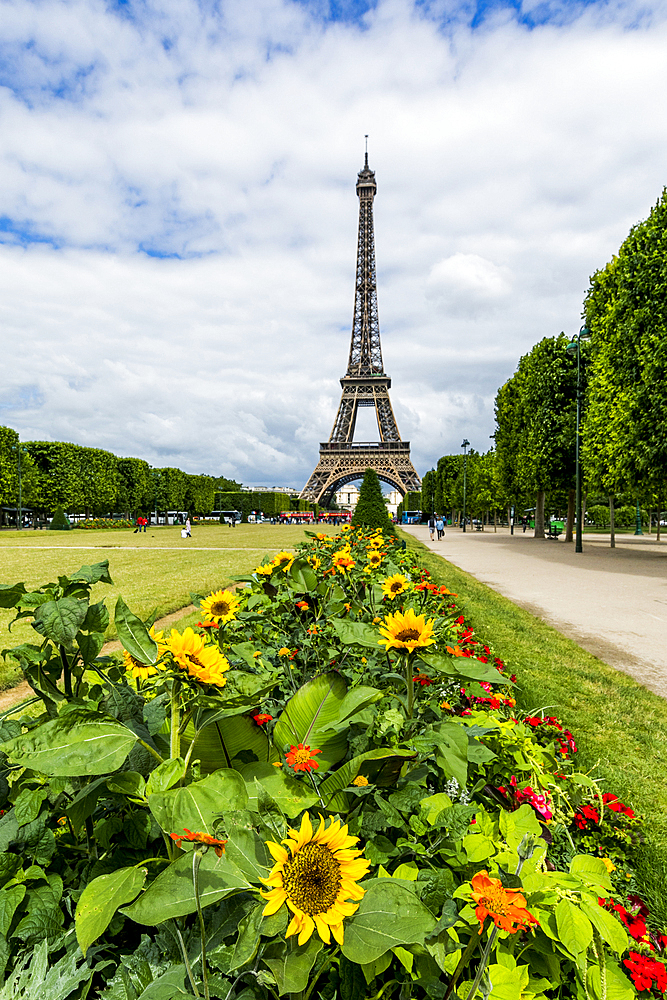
<point x="196" y="861"/>
<point x="188" y="967"/>
<point x="410" y="683"/>
<point x="175" y="741"/>
<point x="463" y="961"/>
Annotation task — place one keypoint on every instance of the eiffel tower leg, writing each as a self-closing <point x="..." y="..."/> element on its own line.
<point x="340" y="465"/>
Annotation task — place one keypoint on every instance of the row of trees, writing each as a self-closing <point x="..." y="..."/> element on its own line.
<point x="623" y="406"/>
<point x="97" y="482"/>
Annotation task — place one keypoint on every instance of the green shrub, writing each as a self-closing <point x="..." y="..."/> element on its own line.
<point x="59" y="522"/>
<point x="371" y="510"/>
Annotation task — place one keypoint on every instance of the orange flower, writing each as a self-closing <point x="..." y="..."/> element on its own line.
<point x="300" y="758"/>
<point x="343" y="561"/>
<point x="262" y="718"/>
<point x="457" y="651"/>
<point x="506" y="907"/>
<point x="200" y="838"/>
<point x="303" y="605"/>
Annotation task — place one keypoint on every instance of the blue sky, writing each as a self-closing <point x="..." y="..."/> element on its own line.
<point x="178" y="215"/>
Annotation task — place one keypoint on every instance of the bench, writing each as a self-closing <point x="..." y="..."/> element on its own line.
<point x="554" y="531"/>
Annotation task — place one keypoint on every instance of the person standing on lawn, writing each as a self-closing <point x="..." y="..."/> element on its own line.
<point x="188" y="528"/>
<point x="431" y="526"/>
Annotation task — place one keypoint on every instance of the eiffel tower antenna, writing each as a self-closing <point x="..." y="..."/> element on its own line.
<point x="365" y="383"/>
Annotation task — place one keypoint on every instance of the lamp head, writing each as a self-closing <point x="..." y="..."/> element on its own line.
<point x="572" y="347"/>
<point x="584" y="333"/>
<point x="465" y="443"/>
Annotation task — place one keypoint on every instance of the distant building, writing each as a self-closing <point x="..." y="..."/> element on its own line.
<point x="347" y="497"/>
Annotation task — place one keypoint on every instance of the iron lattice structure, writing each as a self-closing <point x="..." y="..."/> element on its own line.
<point x="365" y="384"/>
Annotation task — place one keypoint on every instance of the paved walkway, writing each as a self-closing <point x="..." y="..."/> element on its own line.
<point x="612" y="602"/>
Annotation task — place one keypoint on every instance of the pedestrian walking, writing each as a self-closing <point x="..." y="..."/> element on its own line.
<point x="524" y="523"/>
<point x="431" y="526"/>
<point x="188" y="529"/>
<point x="440" y="527"/>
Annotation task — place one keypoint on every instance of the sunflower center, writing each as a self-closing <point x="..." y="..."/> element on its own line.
<point x="396" y="588"/>
<point x="407" y="634"/>
<point x="197" y="662"/>
<point x="220" y="608"/>
<point x="312" y="879"/>
<point x="496" y="901"/>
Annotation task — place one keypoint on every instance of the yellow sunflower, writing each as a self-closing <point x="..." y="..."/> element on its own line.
<point x="265" y="570"/>
<point x="406" y="632"/>
<point x="316" y="877"/>
<point x="375" y="559"/>
<point x="283" y="561"/>
<point x="221" y="606"/>
<point x="342" y="561"/>
<point x="201" y="660"/>
<point x="315" y="562"/>
<point x="395" y="585"/>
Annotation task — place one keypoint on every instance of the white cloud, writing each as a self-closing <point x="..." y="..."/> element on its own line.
<point x="510" y="164"/>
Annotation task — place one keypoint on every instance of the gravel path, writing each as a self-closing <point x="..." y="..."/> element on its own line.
<point x="612" y="602"/>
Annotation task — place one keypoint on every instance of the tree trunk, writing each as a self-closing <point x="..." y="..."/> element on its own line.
<point x="539" y="515"/>
<point x="570" y="516"/>
<point x="659" y="516"/>
<point x="495" y="521"/>
<point x="583" y="512"/>
<point x="612" y="542"/>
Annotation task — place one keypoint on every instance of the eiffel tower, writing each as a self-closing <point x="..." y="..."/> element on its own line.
<point x="365" y="384"/>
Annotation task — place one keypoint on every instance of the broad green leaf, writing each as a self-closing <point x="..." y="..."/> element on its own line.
<point x="611" y="929"/>
<point x="172" y="892"/>
<point x="248" y="852"/>
<point x="247" y="941"/>
<point x="171" y="985"/>
<point x="97" y="618"/>
<point x="128" y="783"/>
<point x="28" y="804"/>
<point x="100" y="900"/>
<point x="355" y="700"/>
<point x="506" y="984"/>
<point x="165" y="775"/>
<point x="10" y="899"/>
<point x="307" y="714"/>
<point x="97" y="573"/>
<point x="619" y="986"/>
<point x="380" y="767"/>
<point x="389" y="916"/>
<point x="302" y="576"/>
<point x="574" y="928"/>
<point x="134" y="635"/>
<point x="432" y="805"/>
<point x="270" y="813"/>
<point x="10" y="594"/>
<point x="452" y="750"/>
<point x="291" y="963"/>
<point x="65" y="748"/>
<point x="221" y="742"/>
<point x="199" y="806"/>
<point x="591" y="869"/>
<point x="60" y="620"/>
<point x="292" y="795"/>
<point x="89" y="646"/>
<point x="463" y="666"/>
<point x="479" y="847"/>
<point x="356" y="633"/>
<point x="515" y="825"/>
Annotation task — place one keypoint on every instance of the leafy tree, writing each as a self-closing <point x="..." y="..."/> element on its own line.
<point x="136" y="490"/>
<point x="371" y="510"/>
<point x="428" y="492"/>
<point x="625" y="428"/>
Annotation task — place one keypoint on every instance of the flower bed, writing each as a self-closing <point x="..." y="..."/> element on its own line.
<point x="92" y="523"/>
<point x="325" y="788"/>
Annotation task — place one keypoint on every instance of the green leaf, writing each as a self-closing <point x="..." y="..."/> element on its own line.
<point x="97" y="618"/>
<point x="220" y="742"/>
<point x="463" y="666"/>
<point x="591" y="870"/>
<point x="356" y="633"/>
<point x="134" y="635"/>
<point x="100" y="900"/>
<point x="291" y="794"/>
<point x="247" y="941"/>
<point x="172" y="892"/>
<point x="89" y="646"/>
<point x="574" y="928"/>
<point x="611" y="929"/>
<point x="356" y="699"/>
<point x="270" y="812"/>
<point x="60" y="620"/>
<point x="128" y="783"/>
<point x="248" y="852"/>
<point x="389" y="916"/>
<point x="169" y="986"/>
<point x="65" y="748"/>
<point x="10" y="594"/>
<point x="619" y="986"/>
<point x="10" y="900"/>
<point x="165" y="775"/>
<point x="302" y="575"/>
<point x="97" y="573"/>
<point x="515" y="825"/>
<point x="505" y="983"/>
<point x="28" y="804"/>
<point x="199" y="806"/>
<point x="380" y="767"/>
<point x="291" y="963"/>
<point x="307" y="714"/>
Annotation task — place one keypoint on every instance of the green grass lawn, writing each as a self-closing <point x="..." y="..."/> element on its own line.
<point x="157" y="569"/>
<point x="620" y="727"/>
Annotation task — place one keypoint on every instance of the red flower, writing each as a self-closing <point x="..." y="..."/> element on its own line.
<point x="200" y="838"/>
<point x="644" y="971"/>
<point x="262" y="718"/>
<point x="207" y="625"/>
<point x="303" y="605"/>
<point x="300" y="758"/>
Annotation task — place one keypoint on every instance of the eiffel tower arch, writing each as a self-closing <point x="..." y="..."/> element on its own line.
<point x="364" y="384"/>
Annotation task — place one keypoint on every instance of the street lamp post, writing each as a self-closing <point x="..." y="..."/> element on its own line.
<point x="19" y="520"/>
<point x="638" y="527"/>
<point x="465" y="445"/>
<point x="575" y="348"/>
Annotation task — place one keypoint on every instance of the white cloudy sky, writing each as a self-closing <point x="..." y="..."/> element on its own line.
<point x="178" y="215"/>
